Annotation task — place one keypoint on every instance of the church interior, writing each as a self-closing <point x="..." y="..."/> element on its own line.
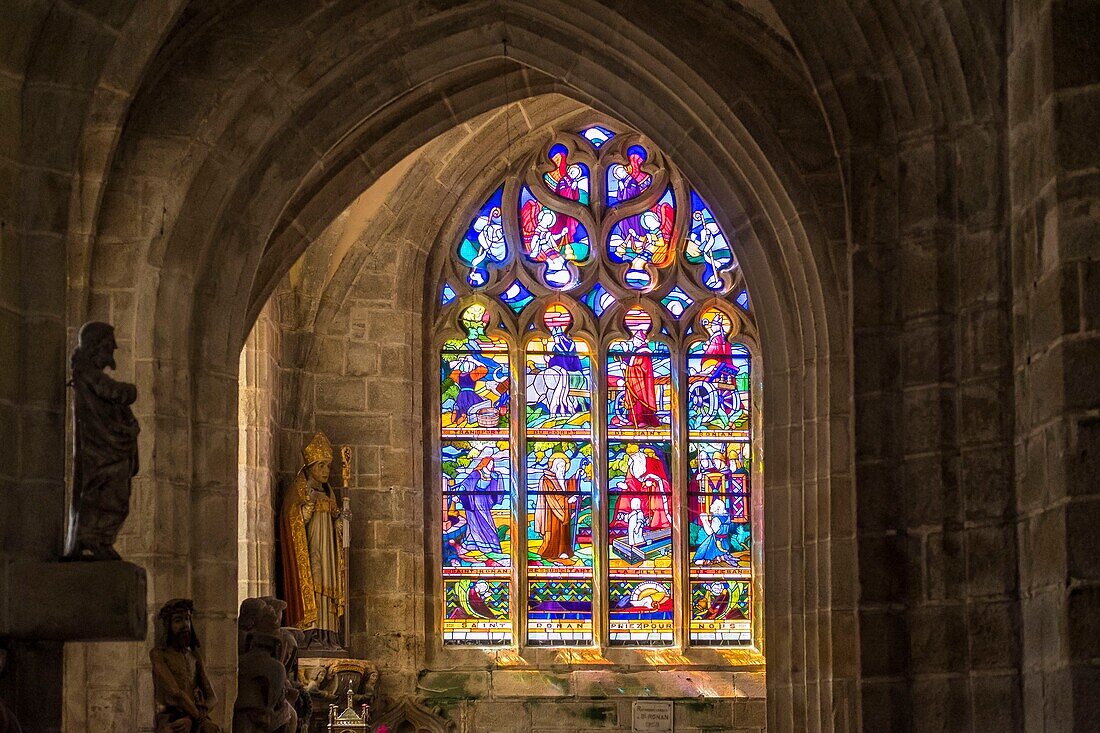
<point x="491" y="366"/>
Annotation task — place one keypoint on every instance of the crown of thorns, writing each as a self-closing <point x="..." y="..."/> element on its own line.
<point x="176" y="605"/>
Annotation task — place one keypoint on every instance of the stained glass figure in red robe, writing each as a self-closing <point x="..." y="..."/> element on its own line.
<point x="647" y="482"/>
<point x="639" y="385"/>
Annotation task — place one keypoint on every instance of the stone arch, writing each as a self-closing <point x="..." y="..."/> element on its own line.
<point x="280" y="186"/>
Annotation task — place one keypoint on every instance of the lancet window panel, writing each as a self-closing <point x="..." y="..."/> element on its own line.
<point x="595" y="397"/>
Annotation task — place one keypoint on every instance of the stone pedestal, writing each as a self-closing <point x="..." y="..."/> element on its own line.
<point x="327" y="678"/>
<point x="73" y="601"/>
<point x="44" y="604"/>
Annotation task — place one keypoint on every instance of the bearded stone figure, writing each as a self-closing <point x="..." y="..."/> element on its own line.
<point x="181" y="688"/>
<point x="313" y="557"/>
<point x="105" y="455"/>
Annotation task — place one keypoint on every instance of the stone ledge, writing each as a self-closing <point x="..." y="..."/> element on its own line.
<point x="589" y="685"/>
<point x="73" y="601"/>
<point x="530" y="683"/>
<point x="452" y="685"/>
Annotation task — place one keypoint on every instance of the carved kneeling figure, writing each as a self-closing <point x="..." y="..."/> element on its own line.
<point x="261" y="705"/>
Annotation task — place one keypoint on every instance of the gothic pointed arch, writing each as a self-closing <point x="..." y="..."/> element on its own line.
<point x="596" y="454"/>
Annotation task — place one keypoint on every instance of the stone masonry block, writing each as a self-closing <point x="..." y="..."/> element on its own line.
<point x="530" y="683"/>
<point x="453" y="684"/>
<point x="573" y="716"/>
<point x="340" y="394"/>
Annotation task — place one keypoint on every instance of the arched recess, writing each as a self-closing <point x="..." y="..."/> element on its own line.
<point x="213" y="195"/>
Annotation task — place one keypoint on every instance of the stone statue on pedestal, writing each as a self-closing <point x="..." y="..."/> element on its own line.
<point x="262" y="705"/>
<point x="181" y="688"/>
<point x="105" y="455"/>
<point x="312" y="527"/>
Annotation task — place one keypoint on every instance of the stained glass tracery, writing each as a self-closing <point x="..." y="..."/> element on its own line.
<point x="552" y="239"/>
<point x="517" y="297"/>
<point x="484" y="244"/>
<point x="628" y="180"/>
<point x="597" y="135"/>
<point x="644" y="242"/>
<point x="707" y="245"/>
<point x="540" y="503"/>
<point x="566" y="179"/>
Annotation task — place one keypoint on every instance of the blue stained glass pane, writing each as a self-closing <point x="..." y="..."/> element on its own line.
<point x="677" y="301"/>
<point x="598" y="299"/>
<point x="516" y="296"/>
<point x="707" y="245"/>
<point x="597" y="135"/>
<point x="448" y="294"/>
<point x="484" y="244"/>
<point x="743" y="299"/>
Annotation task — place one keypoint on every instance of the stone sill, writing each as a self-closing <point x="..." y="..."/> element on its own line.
<point x="589" y="684"/>
<point x="731" y="659"/>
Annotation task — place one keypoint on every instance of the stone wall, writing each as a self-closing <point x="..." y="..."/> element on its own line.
<point x="1054" y="188"/>
<point x="258" y="414"/>
<point x="510" y="701"/>
<point x="352" y="324"/>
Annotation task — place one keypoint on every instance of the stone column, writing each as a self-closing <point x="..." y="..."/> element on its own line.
<point x="1053" y="95"/>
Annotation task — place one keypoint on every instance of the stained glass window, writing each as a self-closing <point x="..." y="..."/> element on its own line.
<point x="606" y="495"/>
<point x="639" y="540"/>
<point x="477" y="490"/>
<point x="719" y="461"/>
<point x="559" y="484"/>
